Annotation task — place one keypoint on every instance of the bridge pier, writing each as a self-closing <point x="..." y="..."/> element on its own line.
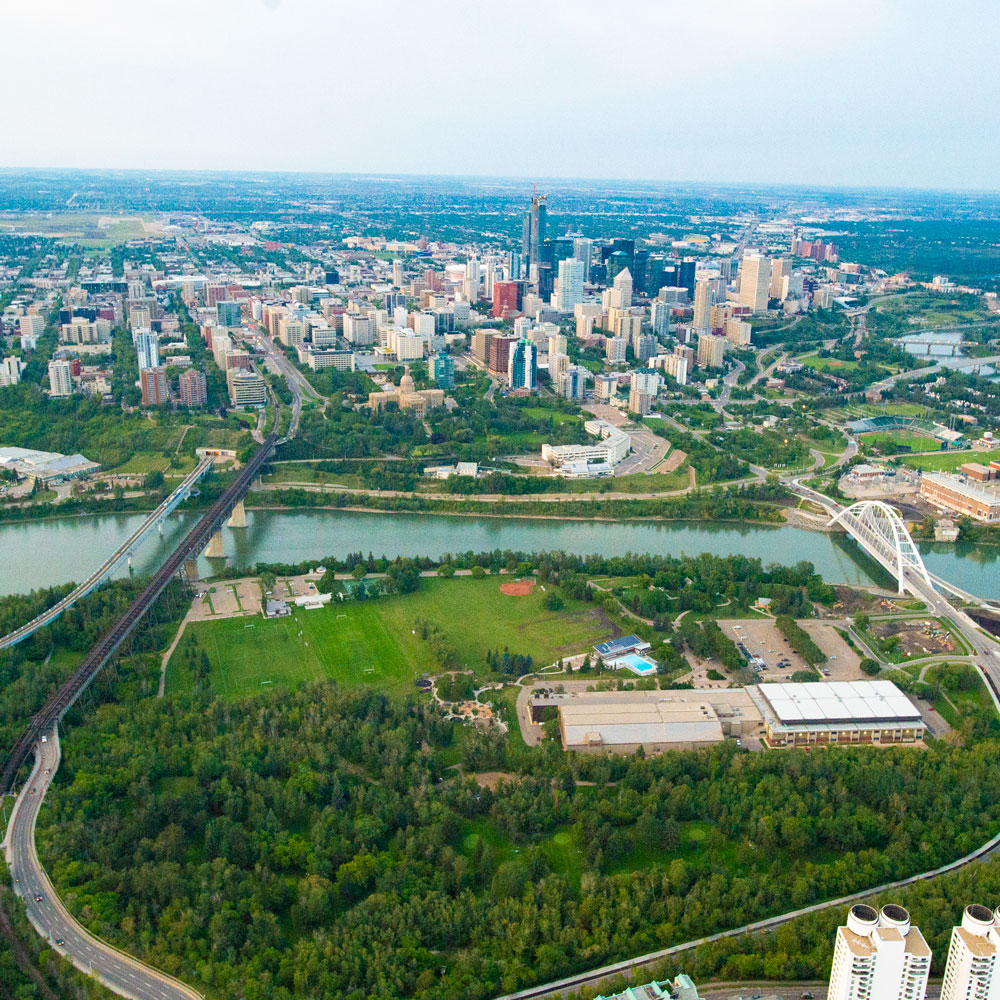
<point x="215" y="548"/>
<point x="191" y="569"/>
<point x="238" y="518"/>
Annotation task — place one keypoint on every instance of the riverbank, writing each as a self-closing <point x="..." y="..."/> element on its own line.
<point x="756" y="503"/>
<point x="585" y="518"/>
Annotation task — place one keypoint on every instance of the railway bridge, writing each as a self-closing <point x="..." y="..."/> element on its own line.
<point x="124" y="552"/>
<point x="194" y="543"/>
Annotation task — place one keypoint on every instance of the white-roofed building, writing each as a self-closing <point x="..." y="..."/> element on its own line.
<point x="837" y="712"/>
<point x="47" y="466"/>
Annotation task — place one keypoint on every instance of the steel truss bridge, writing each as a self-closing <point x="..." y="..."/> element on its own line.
<point x="193" y="543"/>
<point x="124" y="551"/>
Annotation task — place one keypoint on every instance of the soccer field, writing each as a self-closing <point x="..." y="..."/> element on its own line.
<point x="949" y="461"/>
<point x="374" y="642"/>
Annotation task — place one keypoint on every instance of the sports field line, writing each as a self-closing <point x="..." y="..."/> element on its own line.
<point x="219" y="660"/>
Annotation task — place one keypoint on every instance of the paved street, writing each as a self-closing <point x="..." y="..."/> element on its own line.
<point x="119" y="972"/>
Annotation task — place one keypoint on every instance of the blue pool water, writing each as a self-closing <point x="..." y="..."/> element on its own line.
<point x="637" y="664"/>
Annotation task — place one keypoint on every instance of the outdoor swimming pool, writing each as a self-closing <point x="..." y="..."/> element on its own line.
<point x="636" y="663"/>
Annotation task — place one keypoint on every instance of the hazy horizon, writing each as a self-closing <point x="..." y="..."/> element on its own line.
<point x="879" y="94"/>
<point x="525" y="179"/>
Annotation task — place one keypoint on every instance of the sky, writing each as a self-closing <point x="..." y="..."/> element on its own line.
<point x="899" y="93"/>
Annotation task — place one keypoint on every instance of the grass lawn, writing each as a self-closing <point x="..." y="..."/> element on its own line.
<point x="827" y="364"/>
<point x="308" y="474"/>
<point x="949" y="461"/>
<point x="636" y="482"/>
<point x="142" y="462"/>
<point x="557" y="416"/>
<point x="374" y="643"/>
<point x="959" y="704"/>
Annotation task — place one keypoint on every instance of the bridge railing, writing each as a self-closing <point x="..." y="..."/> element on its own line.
<point x="50" y="614"/>
<point x="71" y="689"/>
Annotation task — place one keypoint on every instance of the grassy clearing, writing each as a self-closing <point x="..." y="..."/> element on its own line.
<point x="636" y="482"/>
<point x="557" y="416"/>
<point x="143" y="462"/>
<point x="949" y="461"/>
<point x="827" y="364"/>
<point x="563" y="847"/>
<point x="374" y="643"/>
<point x="309" y="474"/>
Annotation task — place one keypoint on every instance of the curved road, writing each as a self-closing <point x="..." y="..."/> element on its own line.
<point x="119" y="972"/>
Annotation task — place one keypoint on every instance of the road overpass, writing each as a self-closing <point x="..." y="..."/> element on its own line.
<point x="123" y="552"/>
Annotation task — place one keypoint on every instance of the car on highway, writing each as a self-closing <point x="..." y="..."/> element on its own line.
<point x="38" y="897"/>
<point x="60" y="943"/>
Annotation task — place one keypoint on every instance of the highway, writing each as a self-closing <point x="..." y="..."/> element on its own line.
<point x="116" y="970"/>
<point x="299" y="385"/>
<point x="120" y="972"/>
<point x="102" y="572"/>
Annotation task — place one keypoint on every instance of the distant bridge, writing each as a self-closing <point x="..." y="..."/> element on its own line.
<point x="124" y="551"/>
<point x="194" y="542"/>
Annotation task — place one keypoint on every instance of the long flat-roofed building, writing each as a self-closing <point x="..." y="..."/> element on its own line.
<point x="837" y="712"/>
<point x="45" y="466"/>
<point x="622" y="721"/>
<point x="655" y="725"/>
<point x="961" y="496"/>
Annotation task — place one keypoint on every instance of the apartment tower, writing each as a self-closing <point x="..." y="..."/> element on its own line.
<point x="972" y="971"/>
<point x="879" y="955"/>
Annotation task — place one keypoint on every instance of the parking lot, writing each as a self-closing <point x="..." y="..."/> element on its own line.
<point x="843" y="663"/>
<point x="763" y="640"/>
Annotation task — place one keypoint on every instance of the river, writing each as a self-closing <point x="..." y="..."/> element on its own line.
<point x="44" y="553"/>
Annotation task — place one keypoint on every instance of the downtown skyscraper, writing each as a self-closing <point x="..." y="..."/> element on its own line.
<point x="533" y="233"/>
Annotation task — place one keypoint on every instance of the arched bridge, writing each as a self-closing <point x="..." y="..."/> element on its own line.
<point x="880" y="531"/>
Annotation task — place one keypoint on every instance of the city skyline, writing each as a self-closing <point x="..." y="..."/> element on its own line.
<point x="751" y="94"/>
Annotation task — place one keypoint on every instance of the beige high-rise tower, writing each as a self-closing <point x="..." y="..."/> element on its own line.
<point x="973" y="969"/>
<point x="879" y="956"/>
<point x="755" y="281"/>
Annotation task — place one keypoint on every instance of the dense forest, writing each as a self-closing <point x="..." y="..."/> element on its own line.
<point x="255" y="847"/>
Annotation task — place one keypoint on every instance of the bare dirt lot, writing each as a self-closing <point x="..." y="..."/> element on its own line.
<point x="226" y="600"/>
<point x="916" y="637"/>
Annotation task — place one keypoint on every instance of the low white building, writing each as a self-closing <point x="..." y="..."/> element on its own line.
<point x="586" y="460"/>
